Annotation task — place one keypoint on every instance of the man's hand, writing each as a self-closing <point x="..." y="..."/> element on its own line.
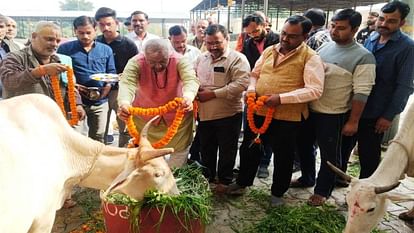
<point x="123" y="112"/>
<point x="246" y="93"/>
<point x="105" y="90"/>
<point x="273" y="101"/>
<point x="81" y="112"/>
<point x="204" y="95"/>
<point x="187" y="104"/>
<point x="382" y="125"/>
<point x="350" y="128"/>
<point x="49" y="69"/>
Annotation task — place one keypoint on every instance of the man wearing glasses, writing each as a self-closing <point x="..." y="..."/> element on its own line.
<point x="291" y="74"/>
<point x="259" y="38"/>
<point x="153" y="78"/>
<point x="224" y="75"/>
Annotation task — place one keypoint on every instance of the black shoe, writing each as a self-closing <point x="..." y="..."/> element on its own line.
<point x="341" y="183"/>
<point x="298" y="184"/>
<point x="263" y="172"/>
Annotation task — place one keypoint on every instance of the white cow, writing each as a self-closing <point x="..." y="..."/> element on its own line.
<point x="367" y="198"/>
<point x="42" y="158"/>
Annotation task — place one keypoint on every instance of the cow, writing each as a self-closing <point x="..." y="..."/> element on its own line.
<point x="42" y="158"/>
<point x="368" y="198"/>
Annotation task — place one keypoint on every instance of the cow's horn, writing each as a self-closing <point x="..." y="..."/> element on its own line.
<point x="384" y="189"/>
<point x="144" y="131"/>
<point x="148" y="152"/>
<point x="339" y="172"/>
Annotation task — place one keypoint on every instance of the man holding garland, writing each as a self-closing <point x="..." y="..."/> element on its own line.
<point x="153" y="79"/>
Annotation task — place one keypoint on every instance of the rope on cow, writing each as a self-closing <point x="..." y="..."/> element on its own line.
<point x="401" y="144"/>
<point x="95" y="157"/>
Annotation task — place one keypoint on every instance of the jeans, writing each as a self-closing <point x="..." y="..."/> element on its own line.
<point x="96" y="120"/>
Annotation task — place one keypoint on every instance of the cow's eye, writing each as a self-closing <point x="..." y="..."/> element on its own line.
<point x="370" y="210"/>
<point x="159" y="174"/>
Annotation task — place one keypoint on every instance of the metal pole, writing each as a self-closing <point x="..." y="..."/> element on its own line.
<point x="277" y="18"/>
<point x="228" y="17"/>
<point x="242" y="12"/>
<point x="265" y="6"/>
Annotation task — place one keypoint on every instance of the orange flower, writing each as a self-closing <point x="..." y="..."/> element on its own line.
<point x="253" y="106"/>
<point x="172" y="129"/>
<point x="54" y="80"/>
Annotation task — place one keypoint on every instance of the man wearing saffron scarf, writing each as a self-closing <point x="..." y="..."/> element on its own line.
<point x="150" y="80"/>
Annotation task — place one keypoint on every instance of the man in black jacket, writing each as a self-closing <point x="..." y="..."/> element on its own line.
<point x="259" y="38"/>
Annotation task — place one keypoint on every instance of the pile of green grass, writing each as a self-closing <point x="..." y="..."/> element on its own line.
<point x="300" y="219"/>
<point x="303" y="219"/>
<point x="194" y="201"/>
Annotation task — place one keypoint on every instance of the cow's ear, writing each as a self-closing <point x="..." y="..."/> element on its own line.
<point x="399" y="197"/>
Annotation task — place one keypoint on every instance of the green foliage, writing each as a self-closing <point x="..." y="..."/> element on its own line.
<point x="304" y="219"/>
<point x="76" y="5"/>
<point x="194" y="201"/>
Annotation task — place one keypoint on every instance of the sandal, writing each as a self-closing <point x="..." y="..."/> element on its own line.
<point x="69" y="203"/>
<point x="316" y="200"/>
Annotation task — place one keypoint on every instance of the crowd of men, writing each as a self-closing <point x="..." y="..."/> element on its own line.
<point x="329" y="88"/>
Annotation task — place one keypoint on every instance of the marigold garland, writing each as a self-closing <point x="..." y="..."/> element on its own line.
<point x="172" y="129"/>
<point x="54" y="80"/>
<point x="254" y="105"/>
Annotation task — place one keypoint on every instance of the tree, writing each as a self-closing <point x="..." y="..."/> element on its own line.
<point x="76" y="5"/>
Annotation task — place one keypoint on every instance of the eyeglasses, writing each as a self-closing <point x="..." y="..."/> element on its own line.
<point x="290" y="36"/>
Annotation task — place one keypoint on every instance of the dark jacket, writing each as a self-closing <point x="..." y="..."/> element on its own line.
<point x="251" y="51"/>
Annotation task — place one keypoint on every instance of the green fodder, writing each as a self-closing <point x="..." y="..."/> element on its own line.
<point x="194" y="201"/>
<point x="300" y="219"/>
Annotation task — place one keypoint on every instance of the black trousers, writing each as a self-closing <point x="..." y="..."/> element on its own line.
<point x="369" y="147"/>
<point x="328" y="128"/>
<point x="222" y="135"/>
<point x="281" y="135"/>
<point x="306" y="149"/>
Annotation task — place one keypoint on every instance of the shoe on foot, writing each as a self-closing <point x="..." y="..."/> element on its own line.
<point x="341" y="183"/>
<point x="276" y="201"/>
<point x="235" y="189"/>
<point x="316" y="200"/>
<point x="263" y="172"/>
<point x="299" y="184"/>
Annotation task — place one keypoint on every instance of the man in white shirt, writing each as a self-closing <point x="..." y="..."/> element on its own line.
<point x="139" y="22"/>
<point x="178" y="39"/>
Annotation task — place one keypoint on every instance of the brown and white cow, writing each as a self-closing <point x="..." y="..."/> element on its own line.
<point x="42" y="158"/>
<point x="367" y="198"/>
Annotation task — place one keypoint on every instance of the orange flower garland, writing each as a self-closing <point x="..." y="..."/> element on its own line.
<point x="54" y="79"/>
<point x="253" y="106"/>
<point x="172" y="129"/>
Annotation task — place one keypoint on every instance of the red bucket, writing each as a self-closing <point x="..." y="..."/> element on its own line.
<point x="117" y="221"/>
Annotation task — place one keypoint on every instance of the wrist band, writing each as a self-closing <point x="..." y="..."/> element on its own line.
<point x="42" y="70"/>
